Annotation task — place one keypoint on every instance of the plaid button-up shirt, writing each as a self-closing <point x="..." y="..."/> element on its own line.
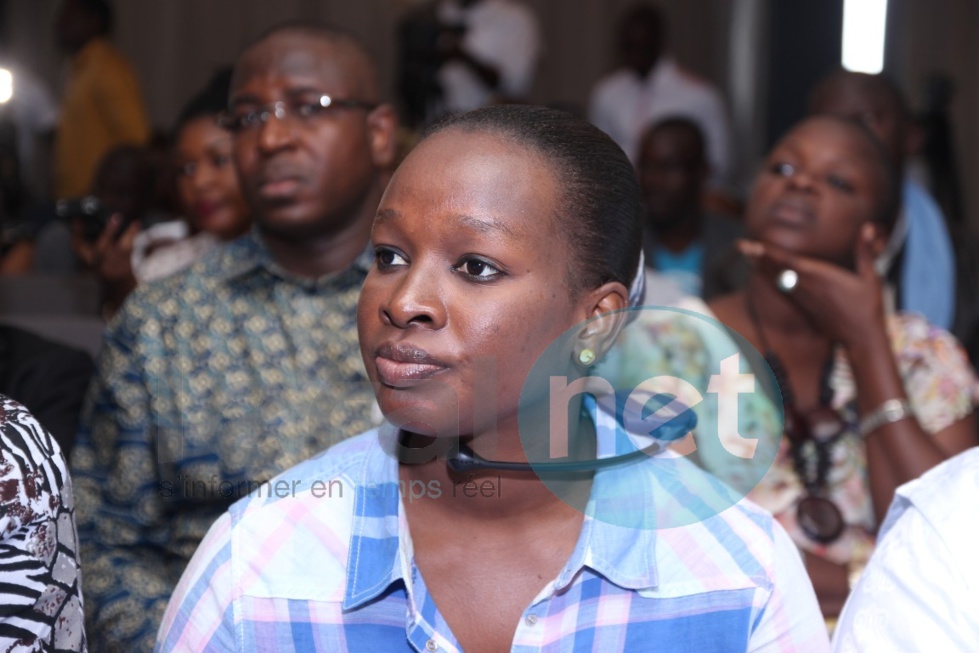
<point x="322" y="559"/>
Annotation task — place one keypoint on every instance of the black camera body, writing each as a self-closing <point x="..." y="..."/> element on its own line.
<point x="89" y="210"/>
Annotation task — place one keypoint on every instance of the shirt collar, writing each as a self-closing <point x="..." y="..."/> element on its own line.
<point x="249" y="254"/>
<point x="617" y="540"/>
<point x="618" y="536"/>
<point x="374" y="561"/>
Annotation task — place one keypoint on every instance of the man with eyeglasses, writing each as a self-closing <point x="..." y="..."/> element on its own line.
<point x="215" y="379"/>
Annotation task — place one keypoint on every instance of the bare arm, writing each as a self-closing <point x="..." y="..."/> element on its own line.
<point x="848" y="307"/>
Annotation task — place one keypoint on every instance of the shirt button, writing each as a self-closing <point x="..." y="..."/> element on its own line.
<point x="431" y="645"/>
<point x="531" y="619"/>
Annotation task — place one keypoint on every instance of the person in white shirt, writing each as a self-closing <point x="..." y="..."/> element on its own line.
<point x="920" y="589"/>
<point x="650" y="86"/>
<point x="490" y="49"/>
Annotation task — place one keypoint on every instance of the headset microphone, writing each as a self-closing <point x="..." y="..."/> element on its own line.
<point x="463" y="459"/>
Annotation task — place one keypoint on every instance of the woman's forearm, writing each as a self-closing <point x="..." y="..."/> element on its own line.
<point x="896" y="451"/>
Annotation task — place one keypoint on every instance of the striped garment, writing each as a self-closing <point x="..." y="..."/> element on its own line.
<point x="321" y="559"/>
<point x="40" y="580"/>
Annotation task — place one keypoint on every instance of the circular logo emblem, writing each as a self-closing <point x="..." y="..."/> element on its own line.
<point x="669" y="419"/>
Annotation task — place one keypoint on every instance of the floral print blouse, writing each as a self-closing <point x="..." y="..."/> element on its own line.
<point x="940" y="384"/>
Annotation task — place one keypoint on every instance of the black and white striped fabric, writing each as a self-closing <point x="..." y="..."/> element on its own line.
<point x="40" y="578"/>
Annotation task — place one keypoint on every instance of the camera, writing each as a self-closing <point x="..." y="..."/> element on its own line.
<point x="89" y="210"/>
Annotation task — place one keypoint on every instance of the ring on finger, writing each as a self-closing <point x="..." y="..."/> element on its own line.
<point x="787" y="280"/>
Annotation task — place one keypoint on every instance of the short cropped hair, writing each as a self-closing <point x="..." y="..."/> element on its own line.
<point x="366" y="72"/>
<point x="684" y="126"/>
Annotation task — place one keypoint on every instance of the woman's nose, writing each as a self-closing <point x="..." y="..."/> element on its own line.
<point x="415" y="301"/>
<point x="801" y="179"/>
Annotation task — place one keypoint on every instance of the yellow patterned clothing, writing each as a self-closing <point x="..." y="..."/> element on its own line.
<point x="101" y="108"/>
<point x="210" y="382"/>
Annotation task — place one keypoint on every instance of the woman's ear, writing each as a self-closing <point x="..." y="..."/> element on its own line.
<point x="604" y="318"/>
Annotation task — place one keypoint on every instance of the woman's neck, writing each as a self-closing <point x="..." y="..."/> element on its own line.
<point x="777" y="313"/>
<point x="491" y="493"/>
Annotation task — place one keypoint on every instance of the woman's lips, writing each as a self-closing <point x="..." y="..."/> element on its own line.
<point x="208" y="208"/>
<point x="792" y="213"/>
<point x="403" y="366"/>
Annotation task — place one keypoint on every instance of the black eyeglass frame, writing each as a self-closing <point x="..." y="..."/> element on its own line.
<point x="282" y="110"/>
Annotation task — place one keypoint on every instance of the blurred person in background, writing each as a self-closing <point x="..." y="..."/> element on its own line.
<point x="871" y="397"/>
<point x="489" y="50"/>
<point x="919" y="259"/>
<point x="693" y="248"/>
<point x="649" y="85"/>
<point x="101" y="107"/>
<point x="125" y="188"/>
<point x="85" y="233"/>
<point x="125" y="237"/>
<point x="208" y="196"/>
<point x="216" y="378"/>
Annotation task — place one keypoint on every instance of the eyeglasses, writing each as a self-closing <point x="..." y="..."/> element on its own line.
<point x="244" y="119"/>
<point x="812" y="436"/>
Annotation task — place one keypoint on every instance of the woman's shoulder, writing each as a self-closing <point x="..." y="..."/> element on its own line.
<point x="938" y="377"/>
<point x="924" y="349"/>
<point x="912" y="334"/>
<point x="334" y="473"/>
<point x="721" y="522"/>
<point x="306" y="513"/>
<point x="737" y="548"/>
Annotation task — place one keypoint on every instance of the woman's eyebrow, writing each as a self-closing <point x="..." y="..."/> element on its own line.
<point x="479" y="225"/>
<point x="486" y="226"/>
<point x="384" y="215"/>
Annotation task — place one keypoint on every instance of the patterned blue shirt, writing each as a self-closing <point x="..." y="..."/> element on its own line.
<point x="210" y="382"/>
<point x="322" y="559"/>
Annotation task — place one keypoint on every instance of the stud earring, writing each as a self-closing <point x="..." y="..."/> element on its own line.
<point x="586" y="357"/>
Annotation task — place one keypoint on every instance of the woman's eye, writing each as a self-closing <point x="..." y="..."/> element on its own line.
<point x="388" y="258"/>
<point x="839" y="183"/>
<point x="478" y="269"/>
<point x="783" y="169"/>
<point x="220" y="160"/>
<point x="186" y="170"/>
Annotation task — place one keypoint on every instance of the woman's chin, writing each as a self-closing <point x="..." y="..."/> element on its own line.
<point x="424" y="421"/>
<point x="790" y="241"/>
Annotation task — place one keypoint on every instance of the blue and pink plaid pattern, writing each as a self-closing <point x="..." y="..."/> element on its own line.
<point x="329" y="567"/>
